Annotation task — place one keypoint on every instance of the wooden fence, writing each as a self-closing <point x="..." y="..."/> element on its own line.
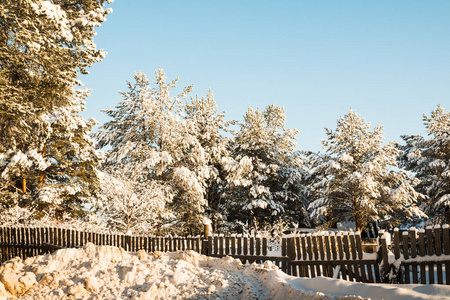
<point x="25" y="242"/>
<point x="424" y="255"/>
<point x="307" y="255"/>
<point x="332" y="255"/>
<point x="247" y="249"/>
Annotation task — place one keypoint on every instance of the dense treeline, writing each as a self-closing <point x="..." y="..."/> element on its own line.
<point x="168" y="163"/>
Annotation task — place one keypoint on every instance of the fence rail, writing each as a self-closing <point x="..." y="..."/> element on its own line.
<point x="424" y="255"/>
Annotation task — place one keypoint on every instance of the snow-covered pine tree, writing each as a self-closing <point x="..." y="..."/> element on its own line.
<point x="293" y="182"/>
<point x="208" y="127"/>
<point x="309" y="179"/>
<point x="154" y="145"/>
<point x="429" y="159"/>
<point x="263" y="174"/>
<point x="359" y="182"/>
<point x="47" y="156"/>
<point x="69" y="180"/>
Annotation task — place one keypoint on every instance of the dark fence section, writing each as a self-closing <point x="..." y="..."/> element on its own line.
<point x="419" y="256"/>
<point x="25" y="242"/>
<point x="424" y="254"/>
<point x="332" y="255"/>
<point x="248" y="249"/>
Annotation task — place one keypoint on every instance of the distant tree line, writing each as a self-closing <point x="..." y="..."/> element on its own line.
<point x="171" y="161"/>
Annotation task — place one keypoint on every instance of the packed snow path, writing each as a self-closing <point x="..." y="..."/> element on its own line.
<point x="106" y="272"/>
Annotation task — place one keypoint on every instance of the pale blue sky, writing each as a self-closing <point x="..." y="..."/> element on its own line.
<point x="388" y="60"/>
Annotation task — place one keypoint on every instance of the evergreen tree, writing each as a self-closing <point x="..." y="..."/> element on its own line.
<point x="308" y="186"/>
<point x="294" y="178"/>
<point x="47" y="158"/>
<point x="429" y="159"/>
<point x="358" y="180"/>
<point x="208" y="124"/>
<point x="263" y="174"/>
<point x="154" y="145"/>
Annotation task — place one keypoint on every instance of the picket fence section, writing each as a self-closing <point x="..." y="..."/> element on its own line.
<point x="25" y="242"/>
<point x="248" y="249"/>
<point x="424" y="254"/>
<point x="307" y="255"/>
<point x="332" y="255"/>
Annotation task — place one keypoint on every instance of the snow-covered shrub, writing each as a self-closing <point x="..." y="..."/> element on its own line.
<point x="18" y="216"/>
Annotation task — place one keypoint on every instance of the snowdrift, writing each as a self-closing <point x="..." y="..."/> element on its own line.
<point x="106" y="272"/>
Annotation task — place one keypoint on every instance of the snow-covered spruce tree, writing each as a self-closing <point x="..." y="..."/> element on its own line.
<point x="263" y="174"/>
<point x="429" y="159"/>
<point x="152" y="143"/>
<point x="208" y="125"/>
<point x="309" y="179"/>
<point x="358" y="179"/>
<point x="294" y="184"/>
<point x="47" y="158"/>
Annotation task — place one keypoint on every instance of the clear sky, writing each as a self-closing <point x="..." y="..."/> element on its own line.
<point x="388" y="60"/>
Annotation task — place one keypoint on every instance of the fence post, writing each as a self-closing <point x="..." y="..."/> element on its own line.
<point x="384" y="255"/>
<point x="396" y="243"/>
<point x="291" y="254"/>
<point x="284" y="254"/>
<point x="206" y="230"/>
<point x="446" y="242"/>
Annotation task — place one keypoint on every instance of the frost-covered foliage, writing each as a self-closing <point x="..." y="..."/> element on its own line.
<point x="129" y="206"/>
<point x="309" y="190"/>
<point x="20" y="216"/>
<point x="208" y="126"/>
<point x="153" y="145"/>
<point x="47" y="159"/>
<point x="358" y="181"/>
<point x="429" y="159"/>
<point x="263" y="175"/>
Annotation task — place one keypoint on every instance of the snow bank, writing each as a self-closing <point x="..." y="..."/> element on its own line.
<point x="106" y="272"/>
<point x="340" y="288"/>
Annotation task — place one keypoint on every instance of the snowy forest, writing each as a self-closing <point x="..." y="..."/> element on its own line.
<point x="167" y="160"/>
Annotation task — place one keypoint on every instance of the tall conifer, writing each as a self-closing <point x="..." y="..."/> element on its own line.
<point x="48" y="160"/>
<point x="358" y="179"/>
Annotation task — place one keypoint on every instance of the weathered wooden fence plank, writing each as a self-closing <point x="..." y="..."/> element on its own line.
<point x="264" y="245"/>
<point x="446" y="242"/>
<point x="413" y="244"/>
<point x="422" y="254"/>
<point x="333" y="245"/>
<point x="430" y="252"/>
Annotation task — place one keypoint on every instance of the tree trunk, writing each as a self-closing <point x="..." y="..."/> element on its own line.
<point x="24" y="180"/>
<point x="42" y="175"/>
<point x="447" y="215"/>
<point x="356" y="214"/>
<point x="41" y="180"/>
<point x="24" y="185"/>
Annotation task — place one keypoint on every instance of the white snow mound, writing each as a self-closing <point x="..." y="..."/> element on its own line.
<point x="106" y="272"/>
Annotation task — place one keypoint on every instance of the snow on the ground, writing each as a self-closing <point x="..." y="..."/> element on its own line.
<point x="106" y="272"/>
